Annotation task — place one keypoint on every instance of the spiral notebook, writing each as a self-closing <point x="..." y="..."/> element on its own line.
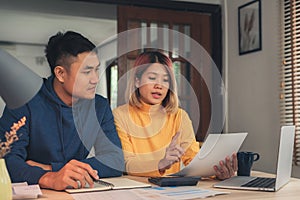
<point x="116" y="183"/>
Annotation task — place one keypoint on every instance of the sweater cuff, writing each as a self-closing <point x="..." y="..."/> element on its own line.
<point x="56" y="166"/>
<point x="35" y="176"/>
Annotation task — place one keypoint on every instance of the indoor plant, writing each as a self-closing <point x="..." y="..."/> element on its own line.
<point x="5" y="147"/>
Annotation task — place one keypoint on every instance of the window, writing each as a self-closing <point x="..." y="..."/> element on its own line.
<point x="113" y="86"/>
<point x="112" y="83"/>
<point x="290" y="84"/>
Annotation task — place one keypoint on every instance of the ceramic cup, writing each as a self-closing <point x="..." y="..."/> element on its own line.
<point x="245" y="162"/>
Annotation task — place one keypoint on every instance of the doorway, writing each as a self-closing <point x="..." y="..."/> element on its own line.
<point x="161" y="26"/>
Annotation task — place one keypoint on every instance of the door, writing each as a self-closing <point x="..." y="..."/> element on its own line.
<point x="170" y="28"/>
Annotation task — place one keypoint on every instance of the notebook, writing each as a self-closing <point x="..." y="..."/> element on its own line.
<point x="283" y="171"/>
<point x="115" y="183"/>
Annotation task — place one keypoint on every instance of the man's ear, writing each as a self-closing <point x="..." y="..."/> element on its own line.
<point x="59" y="72"/>
<point x="137" y="83"/>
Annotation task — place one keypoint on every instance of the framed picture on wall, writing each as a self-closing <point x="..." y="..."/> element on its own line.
<point x="249" y="25"/>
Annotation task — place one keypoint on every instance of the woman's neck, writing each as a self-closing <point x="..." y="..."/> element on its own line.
<point x="150" y="108"/>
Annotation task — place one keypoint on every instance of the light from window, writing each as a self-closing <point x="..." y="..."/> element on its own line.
<point x="290" y="83"/>
<point x="114" y="86"/>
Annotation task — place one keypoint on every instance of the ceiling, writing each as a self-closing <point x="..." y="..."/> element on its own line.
<point x="34" y="23"/>
<point x="35" y="28"/>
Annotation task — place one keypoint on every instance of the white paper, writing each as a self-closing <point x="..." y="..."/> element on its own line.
<point x="25" y="191"/>
<point x="185" y="192"/>
<point x="19" y="184"/>
<point x="125" y="183"/>
<point x="154" y="193"/>
<point x="215" y="148"/>
<point x="132" y="194"/>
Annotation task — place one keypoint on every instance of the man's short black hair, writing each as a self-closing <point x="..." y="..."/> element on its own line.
<point x="62" y="46"/>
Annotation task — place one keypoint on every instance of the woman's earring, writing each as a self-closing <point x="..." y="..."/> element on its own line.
<point x="137" y="83"/>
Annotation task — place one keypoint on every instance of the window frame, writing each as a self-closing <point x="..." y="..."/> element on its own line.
<point x="290" y="73"/>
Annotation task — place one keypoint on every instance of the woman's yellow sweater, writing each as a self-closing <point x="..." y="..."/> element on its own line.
<point x="145" y="134"/>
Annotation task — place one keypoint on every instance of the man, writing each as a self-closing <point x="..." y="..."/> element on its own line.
<point x="64" y="121"/>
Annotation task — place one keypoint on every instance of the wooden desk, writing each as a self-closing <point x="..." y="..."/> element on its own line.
<point x="291" y="191"/>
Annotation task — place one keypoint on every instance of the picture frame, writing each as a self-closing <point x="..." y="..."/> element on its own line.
<point x="249" y="25"/>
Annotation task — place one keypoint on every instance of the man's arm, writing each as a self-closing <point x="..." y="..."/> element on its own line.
<point x="18" y="169"/>
<point x="108" y="159"/>
<point x="109" y="156"/>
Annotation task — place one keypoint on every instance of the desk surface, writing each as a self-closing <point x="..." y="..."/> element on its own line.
<point x="291" y="191"/>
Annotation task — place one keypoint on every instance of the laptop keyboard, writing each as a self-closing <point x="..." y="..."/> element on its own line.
<point x="261" y="182"/>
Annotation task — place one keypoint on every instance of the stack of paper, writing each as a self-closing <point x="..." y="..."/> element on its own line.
<point x="25" y="191"/>
<point x="154" y="193"/>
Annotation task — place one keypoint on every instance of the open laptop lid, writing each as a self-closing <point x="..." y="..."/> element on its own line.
<point x="284" y="165"/>
<point x="285" y="156"/>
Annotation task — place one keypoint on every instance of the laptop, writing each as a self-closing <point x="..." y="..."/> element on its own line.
<point x="283" y="171"/>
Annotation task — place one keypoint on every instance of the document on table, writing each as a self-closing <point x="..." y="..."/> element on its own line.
<point x="185" y="192"/>
<point x="130" y="194"/>
<point x="215" y="148"/>
<point x="25" y="191"/>
<point x="114" y="183"/>
<point x="154" y="193"/>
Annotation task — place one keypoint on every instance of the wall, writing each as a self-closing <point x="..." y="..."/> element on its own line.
<point x="253" y="85"/>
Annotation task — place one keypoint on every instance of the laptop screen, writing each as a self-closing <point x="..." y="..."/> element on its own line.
<point x="285" y="156"/>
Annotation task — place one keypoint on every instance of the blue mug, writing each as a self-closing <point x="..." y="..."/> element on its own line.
<point x="245" y="162"/>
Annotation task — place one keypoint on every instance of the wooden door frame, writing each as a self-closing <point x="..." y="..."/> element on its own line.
<point x="212" y="9"/>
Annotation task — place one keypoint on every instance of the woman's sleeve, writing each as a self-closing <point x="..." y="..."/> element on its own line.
<point x="188" y="141"/>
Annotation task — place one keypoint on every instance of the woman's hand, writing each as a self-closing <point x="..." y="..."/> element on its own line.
<point x="227" y="169"/>
<point x="172" y="155"/>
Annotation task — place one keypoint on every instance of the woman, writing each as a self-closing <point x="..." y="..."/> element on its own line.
<point x="156" y="135"/>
